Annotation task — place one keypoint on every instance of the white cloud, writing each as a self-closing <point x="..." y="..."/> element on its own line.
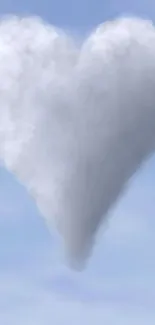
<point x="37" y="290"/>
<point x="73" y="118"/>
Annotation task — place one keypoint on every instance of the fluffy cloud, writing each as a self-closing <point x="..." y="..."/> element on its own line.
<point x="76" y="121"/>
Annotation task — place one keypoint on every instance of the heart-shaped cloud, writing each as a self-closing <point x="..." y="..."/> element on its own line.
<point x="76" y="121"/>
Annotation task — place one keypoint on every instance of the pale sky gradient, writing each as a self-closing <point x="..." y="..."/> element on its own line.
<point x="118" y="286"/>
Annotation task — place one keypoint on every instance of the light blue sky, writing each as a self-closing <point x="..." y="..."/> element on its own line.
<point x="118" y="286"/>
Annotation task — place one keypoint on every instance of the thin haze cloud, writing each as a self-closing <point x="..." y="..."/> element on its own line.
<point x="77" y="121"/>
